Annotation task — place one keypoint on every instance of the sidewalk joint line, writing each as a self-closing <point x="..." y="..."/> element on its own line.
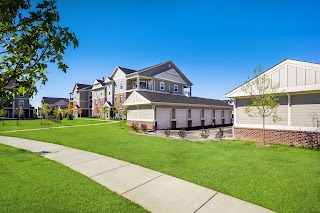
<point x="141" y="184"/>
<point x="205" y="202"/>
<point x="66" y="155"/>
<point x="110" y="170"/>
<point x="85" y="161"/>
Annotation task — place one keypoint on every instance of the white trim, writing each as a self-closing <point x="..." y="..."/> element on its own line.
<point x="170" y="80"/>
<point x="277" y="127"/>
<point x="289" y="109"/>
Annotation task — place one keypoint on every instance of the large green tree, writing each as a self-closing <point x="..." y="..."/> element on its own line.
<point x="31" y="38"/>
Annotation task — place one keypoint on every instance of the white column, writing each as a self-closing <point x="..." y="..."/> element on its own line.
<point x="138" y="81"/>
<point x="234" y="111"/>
<point x="289" y="109"/>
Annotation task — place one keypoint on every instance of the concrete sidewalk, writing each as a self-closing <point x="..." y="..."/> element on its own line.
<point x="155" y="191"/>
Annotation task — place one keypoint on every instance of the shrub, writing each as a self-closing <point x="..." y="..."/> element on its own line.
<point x="70" y="117"/>
<point x="204" y="134"/>
<point x="134" y="127"/>
<point x="167" y="132"/>
<point x="144" y="127"/>
<point x="182" y="133"/>
<point x="220" y="134"/>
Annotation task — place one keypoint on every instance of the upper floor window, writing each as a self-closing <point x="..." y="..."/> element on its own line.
<point x="96" y="93"/>
<point x="109" y="93"/>
<point x="173" y="114"/>
<point x="162" y="86"/>
<point x="100" y="102"/>
<point x="121" y="84"/>
<point x="176" y="88"/>
<point x="100" y="92"/>
<point x="109" y="86"/>
<point x="120" y="98"/>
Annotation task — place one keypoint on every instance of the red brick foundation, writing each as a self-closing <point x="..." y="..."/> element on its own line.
<point x="149" y="124"/>
<point x="288" y="137"/>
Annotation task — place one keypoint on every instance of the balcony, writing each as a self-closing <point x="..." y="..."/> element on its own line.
<point x="144" y="84"/>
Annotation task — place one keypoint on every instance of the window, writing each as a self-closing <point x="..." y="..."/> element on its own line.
<point x="101" y="92"/>
<point x="176" y="88"/>
<point x="96" y="93"/>
<point x="202" y="113"/>
<point x="109" y="86"/>
<point x="96" y="102"/>
<point x="21" y="103"/>
<point x="162" y="86"/>
<point x="120" y="98"/>
<point x="213" y="113"/>
<point x="173" y="114"/>
<point x="143" y="85"/>
<point x="121" y="84"/>
<point x="100" y="102"/>
<point x="109" y="93"/>
<point x="222" y="113"/>
<point x="189" y="113"/>
<point x="115" y="99"/>
<point x="213" y="122"/>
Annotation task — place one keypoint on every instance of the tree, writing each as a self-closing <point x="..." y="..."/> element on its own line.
<point x="30" y="38"/>
<point x="3" y="113"/>
<point x="19" y="112"/>
<point x="64" y="112"/>
<point x="80" y="111"/>
<point x="104" y="110"/>
<point x="45" y="110"/>
<point x="264" y="95"/>
<point x="56" y="111"/>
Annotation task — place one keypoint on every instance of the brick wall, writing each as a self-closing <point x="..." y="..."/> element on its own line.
<point x="149" y="123"/>
<point x="288" y="137"/>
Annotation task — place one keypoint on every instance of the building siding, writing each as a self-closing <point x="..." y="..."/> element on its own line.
<point x="305" y="109"/>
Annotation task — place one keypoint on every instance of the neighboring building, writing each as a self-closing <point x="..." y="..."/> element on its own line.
<point x="19" y="100"/>
<point x="98" y="93"/>
<point x="81" y="97"/>
<point x="61" y="103"/>
<point x="175" y="111"/>
<point x="299" y="108"/>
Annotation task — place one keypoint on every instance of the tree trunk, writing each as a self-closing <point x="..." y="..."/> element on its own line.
<point x="263" y="131"/>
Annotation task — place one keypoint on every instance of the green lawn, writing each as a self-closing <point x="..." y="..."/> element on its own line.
<point x="31" y="183"/>
<point x="34" y="124"/>
<point x="283" y="178"/>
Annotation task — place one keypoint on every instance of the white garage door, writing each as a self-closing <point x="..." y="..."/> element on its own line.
<point x="181" y="118"/>
<point x="163" y="118"/>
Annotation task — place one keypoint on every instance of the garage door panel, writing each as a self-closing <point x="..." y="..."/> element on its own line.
<point x="163" y="118"/>
<point x="181" y="118"/>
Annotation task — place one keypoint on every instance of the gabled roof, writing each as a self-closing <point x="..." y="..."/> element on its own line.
<point x="278" y="68"/>
<point x="126" y="70"/>
<point x="101" y="82"/>
<point x="162" y="67"/>
<point x="83" y="86"/>
<point x="53" y="101"/>
<point x="170" y="99"/>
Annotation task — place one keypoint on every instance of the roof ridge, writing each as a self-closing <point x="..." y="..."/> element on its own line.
<point x="144" y="69"/>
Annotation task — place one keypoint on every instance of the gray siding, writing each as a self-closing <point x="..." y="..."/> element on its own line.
<point x="305" y="110"/>
<point x="243" y="118"/>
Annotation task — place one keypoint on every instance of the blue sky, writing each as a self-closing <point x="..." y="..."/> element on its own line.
<point x="216" y="44"/>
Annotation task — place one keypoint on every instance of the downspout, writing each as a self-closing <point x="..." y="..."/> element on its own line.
<point x="234" y="117"/>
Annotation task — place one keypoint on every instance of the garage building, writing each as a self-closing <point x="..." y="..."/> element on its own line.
<point x="175" y="111"/>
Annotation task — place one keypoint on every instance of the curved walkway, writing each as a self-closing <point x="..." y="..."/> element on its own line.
<point x="155" y="191"/>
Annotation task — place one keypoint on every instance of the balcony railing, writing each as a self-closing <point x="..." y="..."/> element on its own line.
<point x="142" y="86"/>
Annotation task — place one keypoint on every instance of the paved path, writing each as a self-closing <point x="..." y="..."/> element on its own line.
<point x="59" y="127"/>
<point x="155" y="191"/>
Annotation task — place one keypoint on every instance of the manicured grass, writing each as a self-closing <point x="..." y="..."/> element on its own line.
<point x="37" y="123"/>
<point x="31" y="183"/>
<point x="283" y="178"/>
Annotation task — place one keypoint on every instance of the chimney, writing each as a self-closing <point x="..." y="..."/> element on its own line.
<point x="102" y="78"/>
